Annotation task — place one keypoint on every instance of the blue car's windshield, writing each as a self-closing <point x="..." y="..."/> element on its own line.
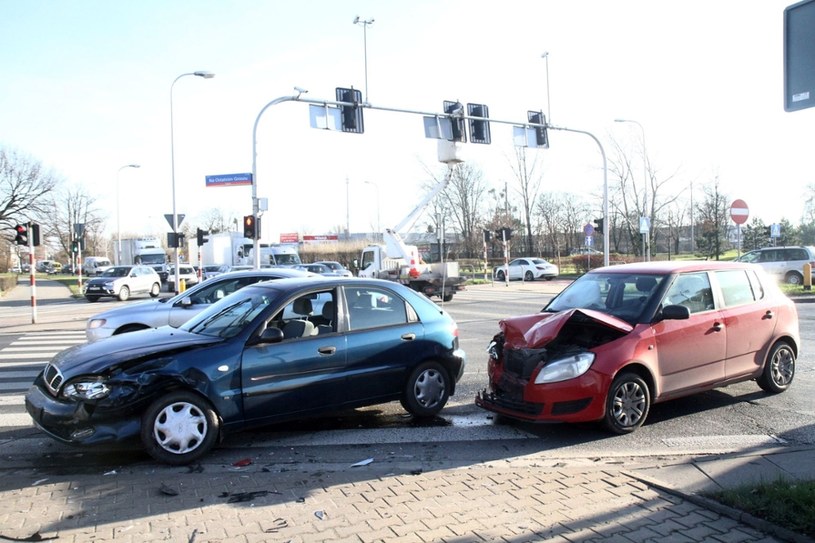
<point x="623" y="295"/>
<point x="230" y="316"/>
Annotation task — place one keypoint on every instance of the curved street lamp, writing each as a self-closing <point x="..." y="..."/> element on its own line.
<point x="118" y="219"/>
<point x="205" y="75"/>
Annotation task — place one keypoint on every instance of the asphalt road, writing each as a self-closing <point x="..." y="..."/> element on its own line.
<point x="723" y="420"/>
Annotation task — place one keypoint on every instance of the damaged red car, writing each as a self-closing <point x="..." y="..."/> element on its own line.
<point x="622" y="338"/>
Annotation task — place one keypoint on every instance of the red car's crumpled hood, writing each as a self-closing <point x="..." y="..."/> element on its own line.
<point x="536" y="330"/>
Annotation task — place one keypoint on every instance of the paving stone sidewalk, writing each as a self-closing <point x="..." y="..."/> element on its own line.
<point x="258" y="504"/>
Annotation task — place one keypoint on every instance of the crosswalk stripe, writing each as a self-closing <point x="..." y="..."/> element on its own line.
<point x="17" y="356"/>
<point x="12" y="399"/>
<point x="29" y="349"/>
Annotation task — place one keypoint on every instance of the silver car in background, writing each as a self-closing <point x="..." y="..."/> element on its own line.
<point x="179" y="309"/>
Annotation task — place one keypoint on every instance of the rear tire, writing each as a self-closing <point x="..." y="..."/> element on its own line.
<point x="124" y="293"/>
<point x="794" y="278"/>
<point x="179" y="428"/>
<point x="500" y="275"/>
<point x="627" y="404"/>
<point x="155" y="290"/>
<point x="426" y="390"/>
<point x="529" y="276"/>
<point x="779" y="369"/>
<point x="447" y="297"/>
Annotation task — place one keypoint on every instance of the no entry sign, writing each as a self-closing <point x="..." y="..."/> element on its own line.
<point x="739" y="212"/>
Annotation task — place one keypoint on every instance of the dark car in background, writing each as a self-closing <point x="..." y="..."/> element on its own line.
<point x="621" y="338"/>
<point x="272" y="351"/>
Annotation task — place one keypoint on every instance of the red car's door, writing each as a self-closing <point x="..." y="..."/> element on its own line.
<point x="691" y="353"/>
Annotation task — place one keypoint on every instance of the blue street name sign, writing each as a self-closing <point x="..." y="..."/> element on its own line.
<point x="229" y="180"/>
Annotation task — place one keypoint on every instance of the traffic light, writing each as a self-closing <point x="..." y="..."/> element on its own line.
<point x="456" y="112"/>
<point x="487" y="236"/>
<point x="35" y="234"/>
<point x="351" y="115"/>
<point x="22" y="234"/>
<point x="479" y="130"/>
<point x="74" y="247"/>
<point x="202" y="236"/>
<point x="175" y="240"/>
<point x="251" y="227"/>
<point x="504" y="234"/>
<point x="598" y="225"/>
<point x="541" y="137"/>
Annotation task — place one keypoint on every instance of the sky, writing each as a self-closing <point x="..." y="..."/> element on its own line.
<point x="87" y="88"/>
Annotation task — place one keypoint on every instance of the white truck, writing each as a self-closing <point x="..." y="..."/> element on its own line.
<point x="147" y="251"/>
<point x="232" y="249"/>
<point x="397" y="261"/>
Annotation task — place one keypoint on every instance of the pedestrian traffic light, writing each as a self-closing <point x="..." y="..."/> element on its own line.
<point x="351" y="116"/>
<point x="35" y="234"/>
<point x="541" y="137"/>
<point x="250" y="227"/>
<point x="598" y="225"/>
<point x="22" y="234"/>
<point x="456" y="112"/>
<point x="479" y="130"/>
<point x="202" y="236"/>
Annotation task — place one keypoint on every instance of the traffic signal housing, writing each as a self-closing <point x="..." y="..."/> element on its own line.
<point x="479" y="130"/>
<point x="351" y="116"/>
<point x="251" y="227"/>
<point x="201" y="235"/>
<point x="456" y="112"/>
<point x="22" y="234"/>
<point x="541" y="137"/>
<point x="487" y="236"/>
<point x="504" y="234"/>
<point x="598" y="225"/>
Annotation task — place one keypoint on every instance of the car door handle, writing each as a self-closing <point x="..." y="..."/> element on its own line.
<point x="768" y="315"/>
<point x="408" y="337"/>
<point x="328" y="351"/>
<point x="718" y="326"/>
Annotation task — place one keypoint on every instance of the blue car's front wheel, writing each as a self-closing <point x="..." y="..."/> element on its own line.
<point x="179" y="428"/>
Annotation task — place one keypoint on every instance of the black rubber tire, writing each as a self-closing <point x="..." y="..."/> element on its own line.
<point x="124" y="293"/>
<point x="627" y="403"/>
<point x="426" y="390"/>
<point x="794" y="278"/>
<point x="529" y="276"/>
<point x="155" y="290"/>
<point x="779" y="369"/>
<point x="499" y="275"/>
<point x="179" y="428"/>
<point x="92" y="298"/>
<point x="447" y="297"/>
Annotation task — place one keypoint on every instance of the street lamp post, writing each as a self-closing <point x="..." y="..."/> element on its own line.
<point x="364" y="22"/>
<point x="378" y="226"/>
<point x="205" y="75"/>
<point x="545" y="56"/>
<point x="118" y="218"/>
<point x="646" y="246"/>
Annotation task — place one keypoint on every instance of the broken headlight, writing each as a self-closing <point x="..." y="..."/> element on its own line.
<point x="563" y="369"/>
<point x="86" y="390"/>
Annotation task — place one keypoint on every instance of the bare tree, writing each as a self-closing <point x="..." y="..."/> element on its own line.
<point x="214" y="221"/>
<point x="24" y="189"/>
<point x="528" y="178"/>
<point x="70" y="206"/>
<point x="713" y="221"/>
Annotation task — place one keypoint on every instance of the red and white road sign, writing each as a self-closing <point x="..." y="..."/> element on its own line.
<point x="739" y="211"/>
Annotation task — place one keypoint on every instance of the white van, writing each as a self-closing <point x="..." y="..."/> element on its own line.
<point x="95" y="265"/>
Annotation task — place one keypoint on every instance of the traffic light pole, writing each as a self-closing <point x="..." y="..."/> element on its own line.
<point x="32" y="276"/>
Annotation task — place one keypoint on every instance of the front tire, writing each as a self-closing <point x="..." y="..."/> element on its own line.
<point x="794" y="278"/>
<point x="500" y="275"/>
<point x="447" y="297"/>
<point x="529" y="276"/>
<point x="627" y="404"/>
<point x="779" y="370"/>
<point x="179" y="428"/>
<point x="155" y="290"/>
<point x="124" y="294"/>
<point x="427" y="390"/>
